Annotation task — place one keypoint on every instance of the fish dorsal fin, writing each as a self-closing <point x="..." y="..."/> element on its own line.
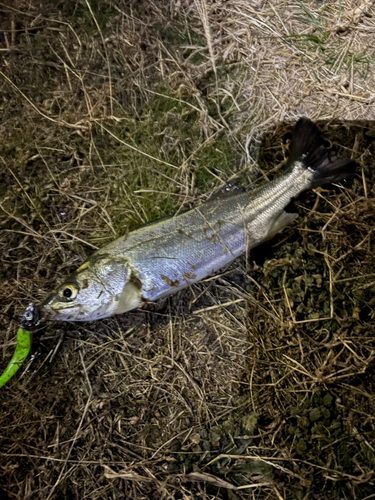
<point x="227" y="191"/>
<point x="153" y="223"/>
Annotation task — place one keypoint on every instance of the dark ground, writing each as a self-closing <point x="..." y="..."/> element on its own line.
<point x="271" y="396"/>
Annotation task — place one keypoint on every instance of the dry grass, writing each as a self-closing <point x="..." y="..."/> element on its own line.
<point x="256" y="384"/>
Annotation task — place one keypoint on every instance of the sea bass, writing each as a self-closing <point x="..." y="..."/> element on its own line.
<point x="168" y="255"/>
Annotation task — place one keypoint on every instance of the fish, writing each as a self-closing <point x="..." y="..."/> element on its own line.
<point x="168" y="255"/>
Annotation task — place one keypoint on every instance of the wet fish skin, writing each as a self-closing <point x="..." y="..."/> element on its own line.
<point x="161" y="258"/>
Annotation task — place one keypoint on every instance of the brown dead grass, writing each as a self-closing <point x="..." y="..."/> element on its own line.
<point x="256" y="384"/>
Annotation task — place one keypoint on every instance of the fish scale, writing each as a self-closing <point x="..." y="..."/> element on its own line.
<point x="170" y="254"/>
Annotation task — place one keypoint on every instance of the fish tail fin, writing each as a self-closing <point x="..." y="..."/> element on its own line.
<point x="307" y="147"/>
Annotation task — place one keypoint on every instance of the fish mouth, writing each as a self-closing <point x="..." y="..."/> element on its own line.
<point x="66" y="313"/>
<point x="36" y="314"/>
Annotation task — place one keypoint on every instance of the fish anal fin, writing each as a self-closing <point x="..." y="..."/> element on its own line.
<point x="281" y="221"/>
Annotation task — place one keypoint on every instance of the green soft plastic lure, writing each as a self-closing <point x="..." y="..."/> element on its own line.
<point x="20" y="354"/>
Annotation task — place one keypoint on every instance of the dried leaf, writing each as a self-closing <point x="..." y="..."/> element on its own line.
<point x="197" y="477"/>
<point x="129" y="475"/>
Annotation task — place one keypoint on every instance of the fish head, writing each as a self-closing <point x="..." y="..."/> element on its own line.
<point x="101" y="287"/>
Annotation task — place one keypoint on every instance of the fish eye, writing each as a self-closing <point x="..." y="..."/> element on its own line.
<point x="29" y="316"/>
<point x="68" y="292"/>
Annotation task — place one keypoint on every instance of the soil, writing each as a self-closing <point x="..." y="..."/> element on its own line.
<point x="256" y="383"/>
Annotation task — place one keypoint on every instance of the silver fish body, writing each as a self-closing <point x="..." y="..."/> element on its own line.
<point x="171" y="254"/>
<point x="159" y="259"/>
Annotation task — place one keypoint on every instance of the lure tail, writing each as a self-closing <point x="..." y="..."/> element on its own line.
<point x="20" y="354"/>
<point x="308" y="148"/>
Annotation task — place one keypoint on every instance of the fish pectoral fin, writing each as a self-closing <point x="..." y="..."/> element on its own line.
<point x="281" y="221"/>
<point x="130" y="297"/>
